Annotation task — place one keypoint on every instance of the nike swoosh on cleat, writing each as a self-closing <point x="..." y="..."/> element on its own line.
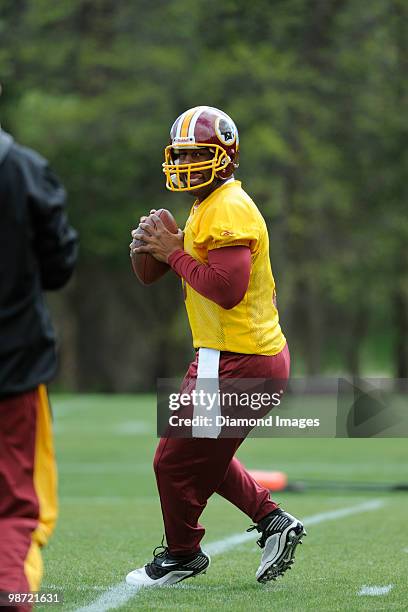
<point x="164" y="564"/>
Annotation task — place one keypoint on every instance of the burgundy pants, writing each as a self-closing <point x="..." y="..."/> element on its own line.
<point x="28" y="506"/>
<point x="189" y="470"/>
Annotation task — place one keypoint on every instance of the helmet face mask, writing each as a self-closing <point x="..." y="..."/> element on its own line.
<point x="178" y="175"/>
<point x="201" y="127"/>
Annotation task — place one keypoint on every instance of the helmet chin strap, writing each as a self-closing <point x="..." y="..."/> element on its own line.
<point x="230" y="179"/>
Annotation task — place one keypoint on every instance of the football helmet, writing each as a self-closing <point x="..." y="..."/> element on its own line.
<point x="207" y="127"/>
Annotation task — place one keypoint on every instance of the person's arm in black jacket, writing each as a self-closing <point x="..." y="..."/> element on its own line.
<point x="55" y="242"/>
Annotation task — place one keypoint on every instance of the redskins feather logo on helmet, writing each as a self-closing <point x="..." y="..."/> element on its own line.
<point x="207" y="127"/>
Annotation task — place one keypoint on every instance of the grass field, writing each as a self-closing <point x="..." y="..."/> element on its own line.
<point x="110" y="520"/>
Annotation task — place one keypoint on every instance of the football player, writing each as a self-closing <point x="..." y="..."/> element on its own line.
<point x="223" y="260"/>
<point x="39" y="252"/>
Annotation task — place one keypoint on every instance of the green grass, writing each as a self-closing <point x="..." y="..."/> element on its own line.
<point x="110" y="518"/>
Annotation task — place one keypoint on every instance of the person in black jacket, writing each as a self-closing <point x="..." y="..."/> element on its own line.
<point x="38" y="251"/>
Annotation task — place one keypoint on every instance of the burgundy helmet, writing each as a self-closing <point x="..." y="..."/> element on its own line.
<point x="201" y="126"/>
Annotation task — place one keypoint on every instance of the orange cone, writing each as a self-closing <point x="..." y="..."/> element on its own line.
<point x="274" y="481"/>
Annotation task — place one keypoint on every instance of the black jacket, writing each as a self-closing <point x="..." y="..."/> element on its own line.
<point x="38" y="251"/>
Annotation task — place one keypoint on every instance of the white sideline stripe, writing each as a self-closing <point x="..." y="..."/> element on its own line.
<point x="375" y="590"/>
<point x="119" y="594"/>
<point x="331" y="515"/>
<point x="218" y="547"/>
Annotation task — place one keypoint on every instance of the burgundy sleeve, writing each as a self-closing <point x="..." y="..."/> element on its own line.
<point x="224" y="280"/>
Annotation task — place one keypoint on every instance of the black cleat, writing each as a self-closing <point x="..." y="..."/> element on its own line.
<point x="280" y="534"/>
<point x="167" y="570"/>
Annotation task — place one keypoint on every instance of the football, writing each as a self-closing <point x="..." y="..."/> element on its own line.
<point x="145" y="266"/>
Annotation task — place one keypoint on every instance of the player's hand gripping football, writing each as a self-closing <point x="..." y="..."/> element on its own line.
<point x="158" y="241"/>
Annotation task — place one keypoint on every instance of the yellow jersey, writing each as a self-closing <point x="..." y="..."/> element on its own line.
<point x="228" y="217"/>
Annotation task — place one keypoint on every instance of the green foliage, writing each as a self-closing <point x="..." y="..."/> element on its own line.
<point x="317" y="91"/>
